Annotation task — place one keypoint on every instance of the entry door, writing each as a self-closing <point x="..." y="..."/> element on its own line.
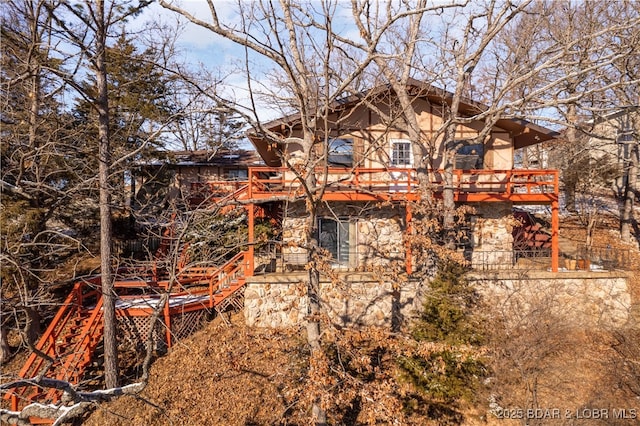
<point x="334" y="237"/>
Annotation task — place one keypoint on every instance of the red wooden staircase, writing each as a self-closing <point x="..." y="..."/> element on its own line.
<point x="70" y="342"/>
<point x="76" y="331"/>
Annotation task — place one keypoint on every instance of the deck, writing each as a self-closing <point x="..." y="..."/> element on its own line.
<point x="370" y="184"/>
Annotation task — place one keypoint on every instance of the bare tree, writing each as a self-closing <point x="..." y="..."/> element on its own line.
<point x="299" y="40"/>
<point x="204" y="123"/>
<point x="39" y="175"/>
<point x="594" y="76"/>
<point x="87" y="28"/>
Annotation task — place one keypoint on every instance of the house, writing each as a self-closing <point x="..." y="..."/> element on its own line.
<point x="371" y="185"/>
<point x="372" y="161"/>
<point x="192" y="177"/>
<point x="371" y="181"/>
<point x="614" y="139"/>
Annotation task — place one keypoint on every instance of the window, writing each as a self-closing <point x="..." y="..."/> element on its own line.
<point x="469" y="156"/>
<point x="334" y="237"/>
<point x="340" y="152"/>
<point x="401" y="155"/>
<point x="237" y="174"/>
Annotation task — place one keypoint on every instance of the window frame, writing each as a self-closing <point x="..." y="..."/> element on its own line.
<point x="392" y="158"/>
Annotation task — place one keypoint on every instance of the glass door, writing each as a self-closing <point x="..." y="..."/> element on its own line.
<point x="334" y="237"/>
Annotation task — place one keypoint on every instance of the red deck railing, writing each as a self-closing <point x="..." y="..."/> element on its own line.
<point x="77" y="328"/>
<point x="55" y="343"/>
<point x="517" y="185"/>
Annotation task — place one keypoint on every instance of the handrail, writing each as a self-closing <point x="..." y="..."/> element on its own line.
<point x="233" y="269"/>
<point x="234" y="194"/>
<point x="69" y="366"/>
<point x="217" y="278"/>
<point x="48" y="341"/>
<point x="510" y="181"/>
<point x="82" y="349"/>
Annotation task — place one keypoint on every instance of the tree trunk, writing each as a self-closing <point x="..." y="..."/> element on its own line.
<point x="104" y="153"/>
<point x="5" y="350"/>
<point x="32" y="329"/>
<point x="631" y="172"/>
<point x="591" y="226"/>
<point x="570" y="175"/>
<point x="313" y="290"/>
<point x="448" y="196"/>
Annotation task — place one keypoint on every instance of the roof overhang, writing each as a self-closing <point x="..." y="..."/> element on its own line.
<point x="523" y="132"/>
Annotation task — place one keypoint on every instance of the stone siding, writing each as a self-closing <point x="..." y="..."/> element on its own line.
<point x="280" y="300"/>
<point x="492" y="242"/>
<point x="586" y="299"/>
<point x="376" y="236"/>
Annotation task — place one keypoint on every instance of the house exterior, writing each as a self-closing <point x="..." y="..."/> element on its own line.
<point x="371" y="160"/>
<point x="371" y="182"/>
<point x="194" y="177"/>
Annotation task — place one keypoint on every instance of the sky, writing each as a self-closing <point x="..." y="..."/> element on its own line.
<point x="202" y="46"/>
<point x="199" y="44"/>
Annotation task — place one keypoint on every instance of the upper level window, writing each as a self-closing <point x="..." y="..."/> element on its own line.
<point x="469" y="156"/>
<point x="401" y="155"/>
<point x="340" y="152"/>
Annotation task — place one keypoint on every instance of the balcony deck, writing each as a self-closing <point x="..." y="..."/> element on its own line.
<point x="399" y="184"/>
<point x="391" y="184"/>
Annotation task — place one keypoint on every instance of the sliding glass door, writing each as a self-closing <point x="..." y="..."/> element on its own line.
<point x="333" y="235"/>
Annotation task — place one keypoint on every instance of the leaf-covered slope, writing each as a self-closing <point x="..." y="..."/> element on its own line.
<point x="219" y="376"/>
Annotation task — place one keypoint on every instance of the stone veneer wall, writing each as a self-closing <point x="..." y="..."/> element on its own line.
<point x="280" y="300"/>
<point x="378" y="238"/>
<point x="492" y="241"/>
<point x="586" y="299"/>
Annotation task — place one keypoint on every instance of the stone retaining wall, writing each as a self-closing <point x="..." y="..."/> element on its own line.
<point x="280" y="300"/>
<point x="586" y="299"/>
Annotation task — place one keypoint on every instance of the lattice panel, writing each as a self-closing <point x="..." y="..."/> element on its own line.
<point x="134" y="332"/>
<point x="184" y="324"/>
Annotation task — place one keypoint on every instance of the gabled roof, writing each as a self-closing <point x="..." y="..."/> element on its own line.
<point x="523" y="132"/>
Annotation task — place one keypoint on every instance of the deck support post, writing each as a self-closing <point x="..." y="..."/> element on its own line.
<point x="167" y="322"/>
<point x="555" y="243"/>
<point x="408" y="252"/>
<point x="251" y="236"/>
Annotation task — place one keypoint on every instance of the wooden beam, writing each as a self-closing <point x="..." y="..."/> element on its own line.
<point x="408" y="251"/>
<point x="251" y="237"/>
<point x="555" y="237"/>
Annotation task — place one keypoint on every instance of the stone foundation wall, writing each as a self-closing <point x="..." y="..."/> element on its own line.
<point x="280" y="300"/>
<point x="586" y="299"/>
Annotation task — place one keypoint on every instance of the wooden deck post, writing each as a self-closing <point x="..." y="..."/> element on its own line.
<point x="250" y="252"/>
<point x="555" y="243"/>
<point x="408" y="252"/>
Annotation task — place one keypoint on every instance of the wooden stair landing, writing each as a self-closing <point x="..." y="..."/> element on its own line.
<point x="76" y="331"/>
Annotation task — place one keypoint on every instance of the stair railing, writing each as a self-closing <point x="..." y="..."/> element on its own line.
<point x="233" y="269"/>
<point x="81" y="353"/>
<point x="49" y="342"/>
